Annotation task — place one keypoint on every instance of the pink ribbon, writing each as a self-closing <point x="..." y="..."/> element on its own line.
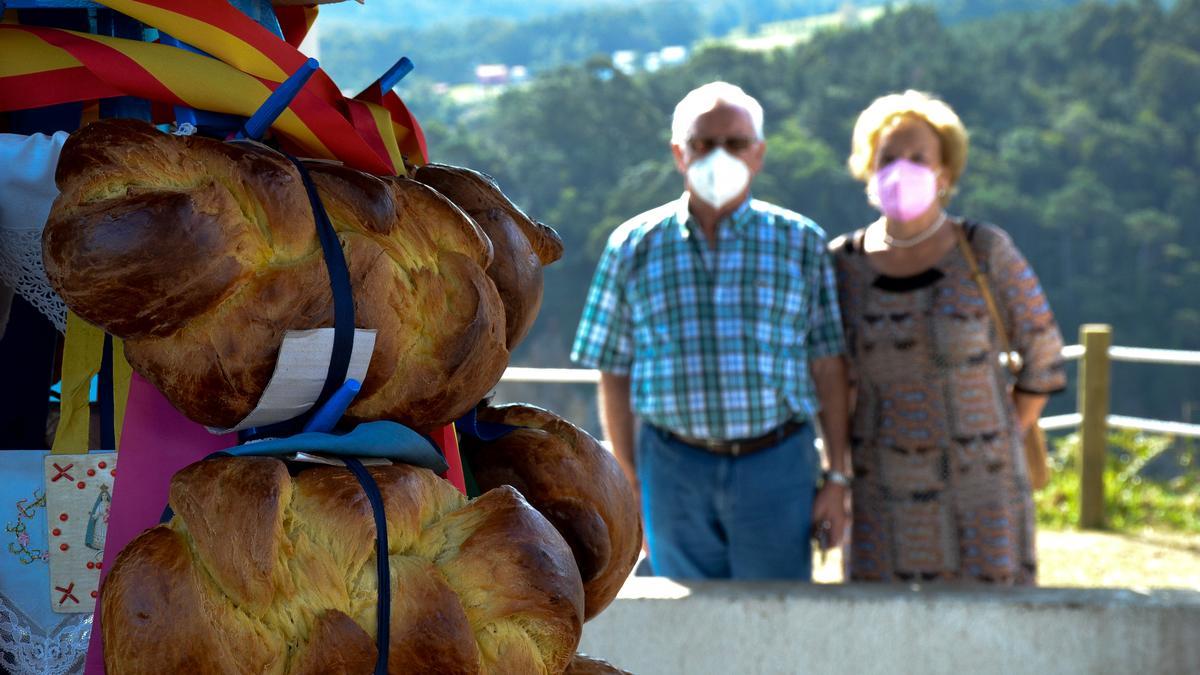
<point x="156" y="442"/>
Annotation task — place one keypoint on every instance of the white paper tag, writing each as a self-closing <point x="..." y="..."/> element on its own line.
<point x="300" y="374"/>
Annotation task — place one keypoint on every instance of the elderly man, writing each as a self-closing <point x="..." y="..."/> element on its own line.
<point x="713" y="319"/>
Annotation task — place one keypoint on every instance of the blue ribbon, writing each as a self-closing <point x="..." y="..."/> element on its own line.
<point x="343" y="313"/>
<point x="339" y="280"/>
<point x="470" y="425"/>
<point x="388" y="440"/>
<point x="383" y="564"/>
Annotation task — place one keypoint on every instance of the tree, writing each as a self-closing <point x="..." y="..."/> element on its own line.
<point x="1085" y="143"/>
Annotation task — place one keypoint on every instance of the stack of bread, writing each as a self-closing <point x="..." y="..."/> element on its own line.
<point x="201" y="255"/>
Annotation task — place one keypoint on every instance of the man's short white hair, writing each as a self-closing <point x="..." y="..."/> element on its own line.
<point x="703" y="99"/>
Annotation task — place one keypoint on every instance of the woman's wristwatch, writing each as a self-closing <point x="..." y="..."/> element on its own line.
<point x="837" y="478"/>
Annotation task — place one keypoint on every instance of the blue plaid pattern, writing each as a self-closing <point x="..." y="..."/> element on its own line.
<point x="716" y="341"/>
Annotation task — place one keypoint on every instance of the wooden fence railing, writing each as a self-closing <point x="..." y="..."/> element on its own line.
<point x="1095" y="354"/>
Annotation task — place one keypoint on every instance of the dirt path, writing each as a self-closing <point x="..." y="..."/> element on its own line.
<point x="1129" y="560"/>
<point x="1097" y="559"/>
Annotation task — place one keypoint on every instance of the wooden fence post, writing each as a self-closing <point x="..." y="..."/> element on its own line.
<point x="1093" y="430"/>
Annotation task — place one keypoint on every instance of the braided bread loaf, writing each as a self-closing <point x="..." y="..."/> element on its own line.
<point x="573" y="481"/>
<point x="522" y="246"/>
<point x="202" y="254"/>
<point x="261" y="572"/>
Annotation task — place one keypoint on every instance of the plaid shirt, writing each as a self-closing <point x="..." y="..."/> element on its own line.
<point x="716" y="341"/>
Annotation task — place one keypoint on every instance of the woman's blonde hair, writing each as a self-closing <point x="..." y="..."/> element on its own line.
<point x="887" y="111"/>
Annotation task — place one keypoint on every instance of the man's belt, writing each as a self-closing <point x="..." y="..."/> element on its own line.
<point x="742" y="446"/>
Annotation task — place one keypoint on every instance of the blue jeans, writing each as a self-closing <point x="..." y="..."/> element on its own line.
<point x="712" y="516"/>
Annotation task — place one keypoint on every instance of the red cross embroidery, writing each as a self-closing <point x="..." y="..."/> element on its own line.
<point x="67" y="593"/>
<point x="62" y="472"/>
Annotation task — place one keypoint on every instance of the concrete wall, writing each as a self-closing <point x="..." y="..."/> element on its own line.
<point x="659" y="627"/>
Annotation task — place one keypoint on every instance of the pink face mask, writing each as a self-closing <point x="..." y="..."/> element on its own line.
<point x="903" y="190"/>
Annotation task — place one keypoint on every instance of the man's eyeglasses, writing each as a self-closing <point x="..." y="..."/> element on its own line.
<point x="732" y="144"/>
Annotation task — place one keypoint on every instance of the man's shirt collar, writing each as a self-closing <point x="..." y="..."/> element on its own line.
<point x="738" y="221"/>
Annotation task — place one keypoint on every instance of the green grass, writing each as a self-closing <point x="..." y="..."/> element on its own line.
<point x="1132" y="502"/>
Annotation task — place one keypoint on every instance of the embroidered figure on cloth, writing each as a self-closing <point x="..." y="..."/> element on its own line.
<point x="97" y="525"/>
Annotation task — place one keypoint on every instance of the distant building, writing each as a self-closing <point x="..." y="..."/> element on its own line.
<point x="673" y="55"/>
<point x="518" y="74"/>
<point x="625" y="60"/>
<point x="491" y="74"/>
<point x="629" y="61"/>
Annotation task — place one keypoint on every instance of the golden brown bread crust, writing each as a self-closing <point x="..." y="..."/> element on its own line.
<point x="585" y="665"/>
<point x="159" y="584"/>
<point x="484" y="587"/>
<point x="336" y="646"/>
<point x="522" y="246"/>
<point x="573" y="481"/>
<point x="202" y="254"/>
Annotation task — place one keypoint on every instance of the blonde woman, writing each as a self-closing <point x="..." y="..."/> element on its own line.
<point x="940" y="489"/>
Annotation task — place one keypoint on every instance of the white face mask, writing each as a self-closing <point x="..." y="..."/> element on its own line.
<point x="718" y="177"/>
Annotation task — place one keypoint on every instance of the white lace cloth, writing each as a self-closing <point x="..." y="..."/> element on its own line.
<point x="21" y="270"/>
<point x="26" y="650"/>
<point x="27" y="190"/>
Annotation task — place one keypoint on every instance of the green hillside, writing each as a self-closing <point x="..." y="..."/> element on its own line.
<point x="447" y="40"/>
<point x="425" y="13"/>
<point x="1086" y="147"/>
<point x="722" y="15"/>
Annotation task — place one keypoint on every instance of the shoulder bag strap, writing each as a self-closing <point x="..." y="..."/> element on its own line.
<point x="1014" y="362"/>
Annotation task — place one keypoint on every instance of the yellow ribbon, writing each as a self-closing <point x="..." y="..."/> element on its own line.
<point x="82" y="354"/>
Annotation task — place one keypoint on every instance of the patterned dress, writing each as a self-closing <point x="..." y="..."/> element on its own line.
<point x="941" y="490"/>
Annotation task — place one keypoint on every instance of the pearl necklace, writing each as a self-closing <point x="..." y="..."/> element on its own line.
<point x="896" y="242"/>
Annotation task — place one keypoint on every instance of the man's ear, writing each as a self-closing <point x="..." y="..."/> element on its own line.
<point x="677" y="153"/>
<point x="754" y="159"/>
